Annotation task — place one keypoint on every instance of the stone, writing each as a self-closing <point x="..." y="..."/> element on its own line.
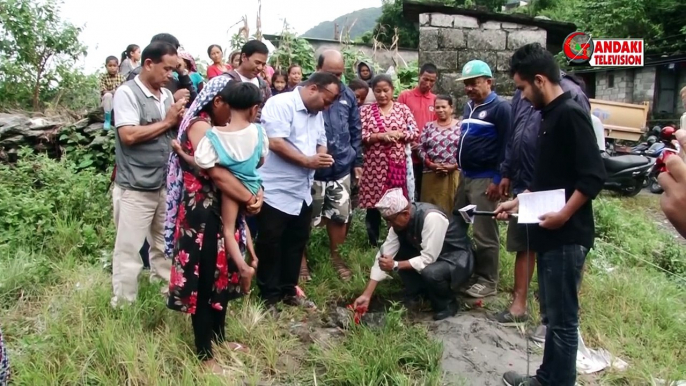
<point x="444" y="60"/>
<point x="503" y="61"/>
<point x="490" y="25"/>
<point x="516" y="39"/>
<point x="428" y="38"/>
<point x="425" y="19"/>
<point x="503" y="84"/>
<point x="487" y="40"/>
<point x="489" y="57"/>
<point x="511" y="26"/>
<point x="452" y="38"/>
<point x="441" y="20"/>
<point x="460" y="21"/>
<point x="447" y="83"/>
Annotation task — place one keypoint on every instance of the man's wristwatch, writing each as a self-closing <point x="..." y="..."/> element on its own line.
<point x="396" y="266"/>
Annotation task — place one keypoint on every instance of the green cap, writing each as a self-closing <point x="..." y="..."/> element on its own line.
<point x="475" y="69"/>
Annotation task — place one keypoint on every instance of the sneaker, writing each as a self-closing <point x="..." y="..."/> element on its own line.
<point x="538" y="335"/>
<point x="507" y="319"/>
<point x="512" y="378"/>
<point x="480" y="291"/>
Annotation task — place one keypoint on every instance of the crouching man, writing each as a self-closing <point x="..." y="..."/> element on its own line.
<point x="432" y="257"/>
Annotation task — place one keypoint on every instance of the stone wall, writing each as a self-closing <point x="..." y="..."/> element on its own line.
<point x="621" y="89"/>
<point x="450" y="41"/>
<point x="644" y="85"/>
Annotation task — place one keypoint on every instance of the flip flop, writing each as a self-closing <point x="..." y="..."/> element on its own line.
<point x="237" y="347"/>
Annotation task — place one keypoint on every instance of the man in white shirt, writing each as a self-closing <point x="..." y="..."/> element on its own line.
<point x="599" y="130"/>
<point x="430" y="260"/>
<point x="146" y="114"/>
<point x="297" y="143"/>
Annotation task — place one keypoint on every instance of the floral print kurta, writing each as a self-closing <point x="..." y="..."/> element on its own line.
<point x="375" y="169"/>
<point x="200" y="200"/>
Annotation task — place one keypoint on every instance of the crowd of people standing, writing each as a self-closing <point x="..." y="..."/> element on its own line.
<point x="220" y="179"/>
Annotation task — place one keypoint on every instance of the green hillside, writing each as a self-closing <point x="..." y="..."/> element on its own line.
<point x="364" y="19"/>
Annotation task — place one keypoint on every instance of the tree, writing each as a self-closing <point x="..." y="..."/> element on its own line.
<point x="626" y="19"/>
<point x="390" y="19"/>
<point x="35" y="46"/>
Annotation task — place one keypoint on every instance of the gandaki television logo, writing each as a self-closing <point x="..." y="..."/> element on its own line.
<point x="580" y="48"/>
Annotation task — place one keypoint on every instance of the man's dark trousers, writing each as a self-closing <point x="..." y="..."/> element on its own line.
<point x="433" y="282"/>
<point x="280" y="248"/>
<point x="559" y="279"/>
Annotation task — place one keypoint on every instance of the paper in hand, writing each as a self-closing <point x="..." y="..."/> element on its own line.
<point x="535" y="204"/>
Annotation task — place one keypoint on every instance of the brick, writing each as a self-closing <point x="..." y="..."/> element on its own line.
<point x="447" y="84"/>
<point x="490" y="25"/>
<point x="503" y="61"/>
<point x="451" y="38"/>
<point x="460" y="21"/>
<point x="495" y="40"/>
<point x="444" y="60"/>
<point x="428" y="38"/>
<point x="511" y="26"/>
<point x="425" y="19"/>
<point x="487" y="56"/>
<point x="516" y="39"/>
<point x="441" y="20"/>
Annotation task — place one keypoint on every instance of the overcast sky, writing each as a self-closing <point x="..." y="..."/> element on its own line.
<point x="111" y="26"/>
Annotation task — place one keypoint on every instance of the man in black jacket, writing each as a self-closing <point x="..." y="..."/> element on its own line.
<point x="181" y="87"/>
<point x="568" y="159"/>
<point x="517" y="171"/>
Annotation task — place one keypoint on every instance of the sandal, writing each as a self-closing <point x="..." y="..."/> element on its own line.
<point x="343" y="271"/>
<point x="304" y="271"/>
<point x="237" y="347"/>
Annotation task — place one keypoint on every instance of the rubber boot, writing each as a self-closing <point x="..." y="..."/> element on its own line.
<point x="108" y="120"/>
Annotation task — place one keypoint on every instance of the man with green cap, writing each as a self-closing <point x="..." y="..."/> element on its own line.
<point x="484" y="132"/>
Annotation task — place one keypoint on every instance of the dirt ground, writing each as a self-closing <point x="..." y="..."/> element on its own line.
<point x="477" y="351"/>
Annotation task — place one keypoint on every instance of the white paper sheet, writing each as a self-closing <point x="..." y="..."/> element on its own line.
<point x="535" y="204"/>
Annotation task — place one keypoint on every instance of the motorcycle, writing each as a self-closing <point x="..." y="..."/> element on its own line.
<point x="627" y="173"/>
<point x="668" y="148"/>
<point x="660" y="167"/>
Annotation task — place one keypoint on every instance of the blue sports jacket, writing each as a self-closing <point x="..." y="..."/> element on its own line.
<point x="485" y="130"/>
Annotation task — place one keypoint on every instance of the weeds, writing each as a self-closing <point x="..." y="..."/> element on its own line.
<point x="56" y="235"/>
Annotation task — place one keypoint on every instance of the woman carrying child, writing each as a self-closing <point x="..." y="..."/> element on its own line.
<point x="205" y="232"/>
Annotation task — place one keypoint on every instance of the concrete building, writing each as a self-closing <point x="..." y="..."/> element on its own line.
<point x="449" y="37"/>
<point x="657" y="83"/>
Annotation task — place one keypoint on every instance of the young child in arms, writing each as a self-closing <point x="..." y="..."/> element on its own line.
<point x="240" y="147"/>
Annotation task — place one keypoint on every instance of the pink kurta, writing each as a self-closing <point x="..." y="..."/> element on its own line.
<point x="375" y="170"/>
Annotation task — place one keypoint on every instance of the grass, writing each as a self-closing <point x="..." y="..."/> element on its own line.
<point x="55" y="244"/>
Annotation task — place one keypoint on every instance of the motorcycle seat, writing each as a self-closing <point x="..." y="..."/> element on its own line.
<point x="622" y="162"/>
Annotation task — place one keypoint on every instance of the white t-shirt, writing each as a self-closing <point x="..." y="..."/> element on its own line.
<point x="254" y="80"/>
<point x="240" y="145"/>
<point x="599" y="132"/>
